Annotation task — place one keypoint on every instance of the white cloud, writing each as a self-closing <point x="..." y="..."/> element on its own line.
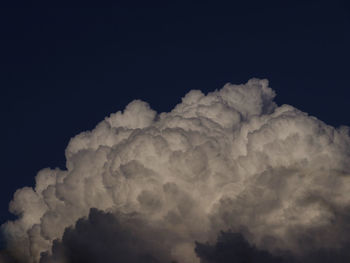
<point x="231" y="159"/>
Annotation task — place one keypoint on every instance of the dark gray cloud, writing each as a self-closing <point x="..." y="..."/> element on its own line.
<point x="7" y="257"/>
<point x="102" y="237"/>
<point x="232" y="247"/>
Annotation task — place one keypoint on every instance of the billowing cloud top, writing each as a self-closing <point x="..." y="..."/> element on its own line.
<point x="229" y="160"/>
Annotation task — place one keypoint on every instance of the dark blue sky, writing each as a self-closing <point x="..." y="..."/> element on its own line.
<point x="63" y="69"/>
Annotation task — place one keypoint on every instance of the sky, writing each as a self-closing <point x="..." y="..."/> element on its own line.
<point x="64" y="69"/>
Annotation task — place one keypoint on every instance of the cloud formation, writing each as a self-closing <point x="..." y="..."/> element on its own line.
<point x="103" y="237"/>
<point x="232" y="247"/>
<point x="231" y="160"/>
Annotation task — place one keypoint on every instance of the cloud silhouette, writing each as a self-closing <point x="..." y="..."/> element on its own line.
<point x="232" y="247"/>
<point x="102" y="237"/>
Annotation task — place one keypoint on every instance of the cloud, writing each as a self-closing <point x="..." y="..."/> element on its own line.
<point x="231" y="160"/>
<point x="232" y="247"/>
<point x="102" y="237"/>
<point x="6" y="257"/>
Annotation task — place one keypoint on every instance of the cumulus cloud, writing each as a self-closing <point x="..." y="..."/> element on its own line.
<point x="232" y="247"/>
<point x="231" y="160"/>
<point x="103" y="237"/>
